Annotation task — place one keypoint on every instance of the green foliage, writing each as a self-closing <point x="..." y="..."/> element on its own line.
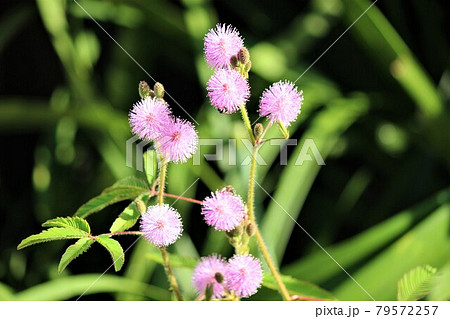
<point x="150" y="165"/>
<point x="69" y="222"/>
<point x="74" y="286"/>
<point x="129" y="216"/>
<point x="299" y="288"/>
<point x="127" y="188"/>
<point x="55" y="233"/>
<point x="416" y="283"/>
<point x="114" y="248"/>
<point x="175" y="260"/>
<point x="73" y="251"/>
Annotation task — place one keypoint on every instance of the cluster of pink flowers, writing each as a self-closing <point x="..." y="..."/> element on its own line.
<point x="242" y="275"/>
<point x="175" y="139"/>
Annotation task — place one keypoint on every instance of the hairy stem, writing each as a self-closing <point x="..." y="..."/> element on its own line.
<point x="170" y="275"/>
<point x="187" y="199"/>
<point x="259" y="239"/>
<point x="247" y="123"/>
<point x="172" y="280"/>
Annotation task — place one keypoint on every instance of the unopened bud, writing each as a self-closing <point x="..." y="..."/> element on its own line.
<point x="151" y="94"/>
<point x="258" y="129"/>
<point x="243" y="55"/>
<point x="234" y="241"/>
<point x="159" y="90"/>
<point x="250" y="229"/>
<point x="234" y="61"/>
<point x="219" y="277"/>
<point x="237" y="231"/>
<point x="229" y="189"/>
<point x="248" y="66"/>
<point x="140" y="206"/>
<point x="144" y="89"/>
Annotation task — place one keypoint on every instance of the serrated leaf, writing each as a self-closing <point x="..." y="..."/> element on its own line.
<point x="127" y="188"/>
<point x="73" y="251"/>
<point x="114" y="248"/>
<point x="416" y="283"/>
<point x="69" y="222"/>
<point x="175" y="260"/>
<point x="55" y="233"/>
<point x="150" y="165"/>
<point x="129" y="216"/>
<point x="303" y="289"/>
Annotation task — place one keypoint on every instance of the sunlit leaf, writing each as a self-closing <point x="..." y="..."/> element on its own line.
<point x="416" y="283"/>
<point x="73" y="251"/>
<point x="114" y="248"/>
<point x="69" y="222"/>
<point x="55" y="233"/>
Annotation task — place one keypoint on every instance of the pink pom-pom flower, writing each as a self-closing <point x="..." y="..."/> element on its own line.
<point x="221" y="44"/>
<point x="161" y="225"/>
<point x="177" y="141"/>
<point x="228" y="90"/>
<point x="243" y="275"/>
<point x="281" y="102"/>
<point x="205" y="274"/>
<point x="148" y="117"/>
<point x="223" y="210"/>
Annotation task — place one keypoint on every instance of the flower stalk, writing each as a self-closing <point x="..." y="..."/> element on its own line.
<point x="167" y="267"/>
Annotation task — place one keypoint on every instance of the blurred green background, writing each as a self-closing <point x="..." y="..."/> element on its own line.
<point x="376" y="105"/>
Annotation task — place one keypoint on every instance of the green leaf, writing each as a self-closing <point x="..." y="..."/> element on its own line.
<point x="69" y="222"/>
<point x="68" y="287"/>
<point x="416" y="284"/>
<point x="302" y="289"/>
<point x="55" y="233"/>
<point x="175" y="260"/>
<point x="127" y="188"/>
<point x="129" y="216"/>
<point x="114" y="248"/>
<point x="150" y="165"/>
<point x="73" y="251"/>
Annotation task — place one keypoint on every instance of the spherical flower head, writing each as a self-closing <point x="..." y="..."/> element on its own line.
<point x="221" y="44"/>
<point x="228" y="90"/>
<point x="148" y="117"/>
<point x="281" y="102"/>
<point x="223" y="210"/>
<point x="161" y="225"/>
<point x="205" y="274"/>
<point x="177" y="141"/>
<point x="244" y="275"/>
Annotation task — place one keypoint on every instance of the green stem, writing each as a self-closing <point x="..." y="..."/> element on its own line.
<point x="247" y="123"/>
<point x="259" y="239"/>
<point x="172" y="280"/>
<point x="170" y="275"/>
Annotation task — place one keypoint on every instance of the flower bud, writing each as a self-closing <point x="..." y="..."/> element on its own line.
<point x="250" y="230"/>
<point x="144" y="89"/>
<point x="235" y="232"/>
<point x="248" y="66"/>
<point x="234" y="61"/>
<point x="258" y="130"/>
<point x="243" y="55"/>
<point x="159" y="90"/>
<point x="229" y="189"/>
<point x="234" y="241"/>
<point x="219" y="277"/>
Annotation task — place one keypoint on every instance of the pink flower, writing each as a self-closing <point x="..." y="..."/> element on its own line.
<point x="244" y="275"/>
<point x="223" y="210"/>
<point x="177" y="141"/>
<point x="148" y="117"/>
<point x="281" y="102"/>
<point x="161" y="225"/>
<point x="221" y="44"/>
<point x="227" y="90"/>
<point x="205" y="274"/>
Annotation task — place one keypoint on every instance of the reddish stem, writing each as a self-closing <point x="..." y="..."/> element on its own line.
<point x="187" y="199"/>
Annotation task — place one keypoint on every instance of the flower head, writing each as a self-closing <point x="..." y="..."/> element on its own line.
<point x="244" y="275"/>
<point x="205" y="274"/>
<point x="177" y="141"/>
<point x="161" y="225"/>
<point x="148" y="117"/>
<point x="281" y="102"/>
<point x="227" y="90"/>
<point x="221" y="44"/>
<point x="223" y="210"/>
